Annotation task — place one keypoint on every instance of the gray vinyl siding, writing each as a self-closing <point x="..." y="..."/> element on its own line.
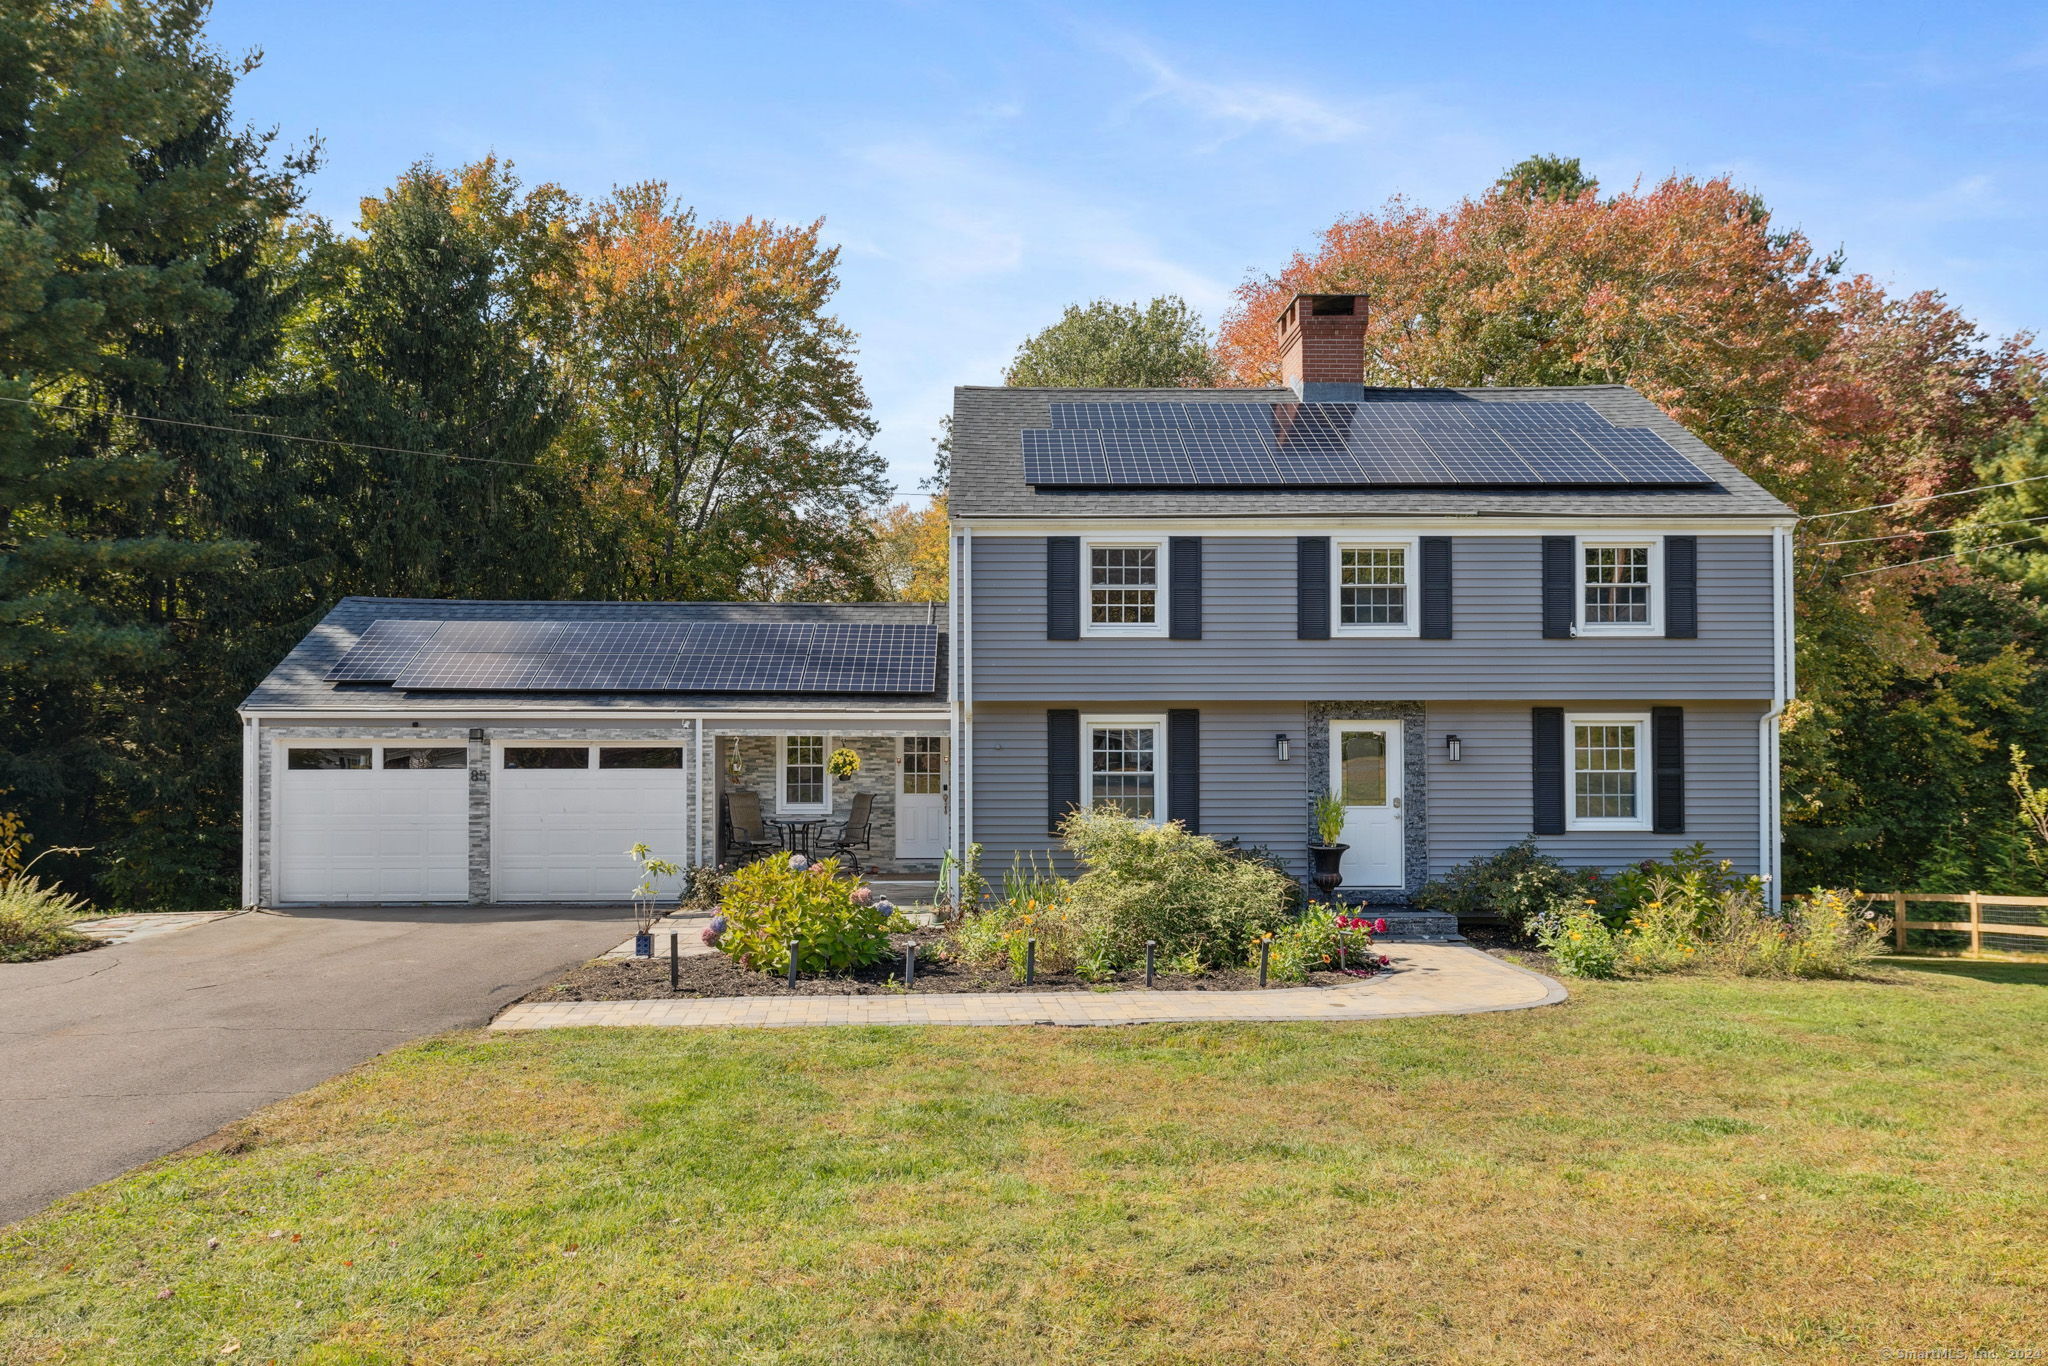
<point x="1476" y="806"/>
<point x="1248" y="649"/>
<point x="1482" y="802"/>
<point x="1246" y="792"/>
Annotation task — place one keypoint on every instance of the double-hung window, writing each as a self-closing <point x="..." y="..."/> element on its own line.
<point x="1618" y="587"/>
<point x="1124" y="760"/>
<point x="1124" y="589"/>
<point x="1375" y="588"/>
<point x="1609" y="756"/>
<point x="806" y="789"/>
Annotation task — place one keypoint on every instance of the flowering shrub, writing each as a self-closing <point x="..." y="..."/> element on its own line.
<point x="1666" y="932"/>
<point x="774" y="900"/>
<point x="842" y="763"/>
<point x="1323" y="941"/>
<point x="1573" y="933"/>
<point x="1826" y="933"/>
<point x="1160" y="882"/>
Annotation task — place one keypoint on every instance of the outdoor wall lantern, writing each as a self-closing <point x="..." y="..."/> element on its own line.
<point x="1456" y="749"/>
<point x="1280" y="747"/>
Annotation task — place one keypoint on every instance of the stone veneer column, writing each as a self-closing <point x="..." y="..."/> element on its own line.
<point x="479" y="818"/>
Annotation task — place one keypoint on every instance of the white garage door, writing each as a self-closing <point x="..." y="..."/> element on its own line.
<point x="372" y="822"/>
<point x="562" y="817"/>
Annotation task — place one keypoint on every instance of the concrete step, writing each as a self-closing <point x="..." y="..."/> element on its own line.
<point x="1416" y="927"/>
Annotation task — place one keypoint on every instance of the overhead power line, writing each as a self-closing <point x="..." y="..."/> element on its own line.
<point x="274" y="436"/>
<point x="1931" y="559"/>
<point x="1933" y="531"/>
<point x="1930" y="498"/>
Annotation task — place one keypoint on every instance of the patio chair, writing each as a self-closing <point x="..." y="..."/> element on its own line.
<point x="746" y="833"/>
<point x="851" y="835"/>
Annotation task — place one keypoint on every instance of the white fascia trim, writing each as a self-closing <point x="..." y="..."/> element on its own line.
<point x="1411" y="622"/>
<point x="1520" y="524"/>
<point x="1110" y="539"/>
<point x="839" y="720"/>
<point x="1573" y="822"/>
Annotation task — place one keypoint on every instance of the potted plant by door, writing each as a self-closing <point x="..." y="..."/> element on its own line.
<point x="1326" y="853"/>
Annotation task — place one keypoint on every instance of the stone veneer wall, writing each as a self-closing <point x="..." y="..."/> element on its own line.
<point x="759" y="759"/>
<point x="1414" y="786"/>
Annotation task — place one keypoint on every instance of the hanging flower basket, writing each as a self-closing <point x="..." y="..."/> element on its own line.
<point x="843" y="763"/>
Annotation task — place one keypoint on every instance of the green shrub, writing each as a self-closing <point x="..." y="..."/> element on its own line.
<point x="1160" y="882"/>
<point x="35" y="921"/>
<point x="1667" y="929"/>
<point x="1576" y="937"/>
<point x="1519" y="884"/>
<point x="1034" y="905"/>
<point x="1263" y="857"/>
<point x="1321" y="940"/>
<point x="1693" y="875"/>
<point x="769" y="902"/>
<point x="1826" y="933"/>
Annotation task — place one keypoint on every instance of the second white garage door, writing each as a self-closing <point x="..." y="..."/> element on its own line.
<point x="562" y="817"/>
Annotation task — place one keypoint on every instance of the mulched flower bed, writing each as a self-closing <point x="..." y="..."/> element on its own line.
<point x="713" y="974"/>
<point x="1503" y="942"/>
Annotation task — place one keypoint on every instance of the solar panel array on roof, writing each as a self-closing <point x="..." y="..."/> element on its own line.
<point x="643" y="656"/>
<point x="1434" y="442"/>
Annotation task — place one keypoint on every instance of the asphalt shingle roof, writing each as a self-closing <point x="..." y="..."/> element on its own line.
<point x="299" y="682"/>
<point x="987" y="477"/>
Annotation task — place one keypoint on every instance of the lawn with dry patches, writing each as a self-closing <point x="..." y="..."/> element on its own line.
<point x="1688" y="1168"/>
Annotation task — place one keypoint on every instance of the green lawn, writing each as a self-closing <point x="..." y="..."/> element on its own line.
<point x="1706" y="1170"/>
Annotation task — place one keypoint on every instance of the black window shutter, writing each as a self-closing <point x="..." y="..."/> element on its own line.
<point x="1062" y="765"/>
<point x="1682" y="587"/>
<point x="1312" y="587"/>
<point x="1560" y="586"/>
<point x="1184" y="587"/>
<point x="1063" y="588"/>
<point x="1547" y="746"/>
<point x="1184" y="767"/>
<point x="1667" y="770"/>
<point x="1436" y="588"/>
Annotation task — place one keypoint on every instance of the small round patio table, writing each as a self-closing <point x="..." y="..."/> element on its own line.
<point x="798" y="833"/>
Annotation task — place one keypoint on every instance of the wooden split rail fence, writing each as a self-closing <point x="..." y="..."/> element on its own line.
<point x="1976" y="926"/>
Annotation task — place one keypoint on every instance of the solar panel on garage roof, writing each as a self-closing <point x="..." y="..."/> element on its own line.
<point x="1419" y="442"/>
<point x="643" y="656"/>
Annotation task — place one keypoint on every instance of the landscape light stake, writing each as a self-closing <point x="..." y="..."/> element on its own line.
<point x="1030" y="961"/>
<point x="675" y="964"/>
<point x="1265" y="953"/>
<point x="910" y="966"/>
<point x="792" y="965"/>
<point x="1150" y="945"/>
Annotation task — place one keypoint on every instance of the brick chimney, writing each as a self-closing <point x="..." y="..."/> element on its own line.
<point x="1322" y="347"/>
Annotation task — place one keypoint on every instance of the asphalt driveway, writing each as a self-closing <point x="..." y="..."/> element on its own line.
<point x="115" y="1056"/>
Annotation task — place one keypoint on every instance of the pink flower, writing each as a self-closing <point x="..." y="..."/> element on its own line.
<point x="863" y="896"/>
<point x="1385" y="961"/>
<point x="1380" y="926"/>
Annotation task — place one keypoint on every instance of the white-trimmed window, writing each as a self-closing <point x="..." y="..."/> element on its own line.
<point x="805" y="787"/>
<point x="1123" y="587"/>
<point x="1375" y="588"/>
<point x="1620" y="585"/>
<point x="1123" y="764"/>
<point x="1609" y="759"/>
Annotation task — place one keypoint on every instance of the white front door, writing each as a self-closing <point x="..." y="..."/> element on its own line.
<point x="1365" y="773"/>
<point x="921" y="797"/>
<point x="562" y="817"/>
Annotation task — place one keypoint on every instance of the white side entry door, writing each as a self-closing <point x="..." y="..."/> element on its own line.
<point x="921" y="797"/>
<point x="1365" y="775"/>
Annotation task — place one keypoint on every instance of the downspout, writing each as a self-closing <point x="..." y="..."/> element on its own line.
<point x="1783" y="644"/>
<point x="251" y="814"/>
<point x="960" y="826"/>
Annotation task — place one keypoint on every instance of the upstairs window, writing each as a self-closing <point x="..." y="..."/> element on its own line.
<point x="1375" y="591"/>
<point x="1618" y="587"/>
<point x="1125" y="587"/>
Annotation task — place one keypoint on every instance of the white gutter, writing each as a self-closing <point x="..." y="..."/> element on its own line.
<point x="1784" y="646"/>
<point x="251" y="813"/>
<point x="470" y="716"/>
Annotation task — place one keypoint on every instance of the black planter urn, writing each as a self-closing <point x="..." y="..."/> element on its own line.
<point x="1329" y="867"/>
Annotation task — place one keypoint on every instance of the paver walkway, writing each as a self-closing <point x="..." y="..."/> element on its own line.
<point x="1428" y="979"/>
<point x="126" y="929"/>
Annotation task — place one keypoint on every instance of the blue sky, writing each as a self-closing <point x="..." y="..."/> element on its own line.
<point x="983" y="165"/>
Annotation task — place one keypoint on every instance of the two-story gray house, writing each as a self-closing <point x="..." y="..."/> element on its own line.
<point x="1471" y="615"/>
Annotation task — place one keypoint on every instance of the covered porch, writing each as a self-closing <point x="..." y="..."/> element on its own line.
<point x="784" y="787"/>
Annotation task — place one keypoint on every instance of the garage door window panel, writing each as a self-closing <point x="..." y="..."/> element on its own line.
<point x="639" y="756"/>
<point x="305" y="760"/>
<point x="548" y="756"/>
<point x="451" y="756"/>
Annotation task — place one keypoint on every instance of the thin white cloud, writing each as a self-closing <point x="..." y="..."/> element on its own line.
<point x="1245" y="106"/>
